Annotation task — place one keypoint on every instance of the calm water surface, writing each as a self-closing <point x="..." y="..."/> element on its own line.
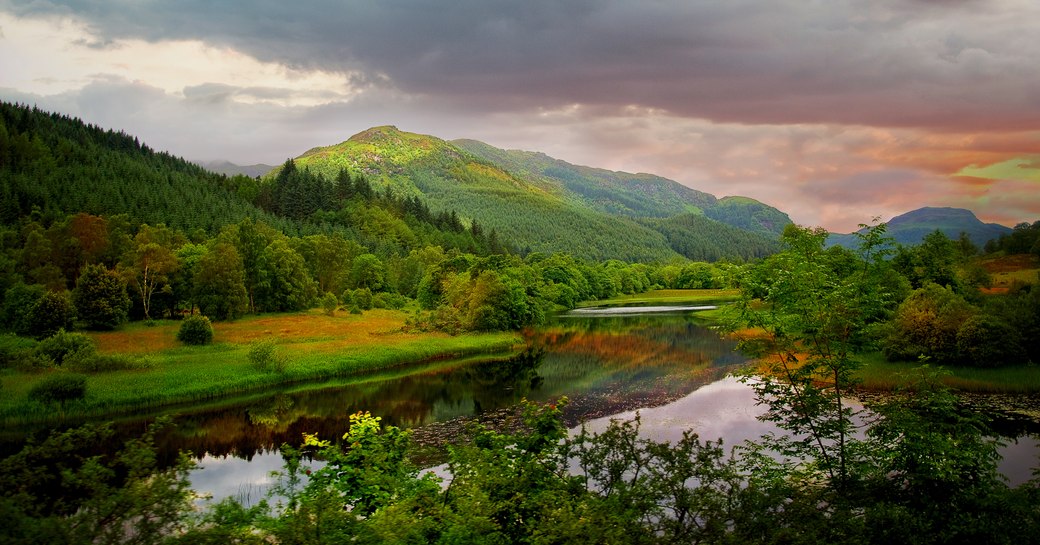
<point x="667" y="365"/>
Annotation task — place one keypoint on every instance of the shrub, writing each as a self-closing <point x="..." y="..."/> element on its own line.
<point x="19" y="301"/>
<point x="264" y="355"/>
<point x="100" y="298"/>
<point x="20" y="354"/>
<point x="986" y="341"/>
<point x="195" y="330"/>
<point x="329" y="303"/>
<point x="50" y="314"/>
<point x="64" y="346"/>
<point x="59" y="388"/>
<point x="362" y="298"/>
<point x="97" y="363"/>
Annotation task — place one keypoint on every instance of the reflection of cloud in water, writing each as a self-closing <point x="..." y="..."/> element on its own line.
<point x="226" y="476"/>
<point x="724" y="409"/>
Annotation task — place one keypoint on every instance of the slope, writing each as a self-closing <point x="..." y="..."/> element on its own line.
<point x="591" y="213"/>
<point x="53" y="165"/>
<point x="633" y="195"/>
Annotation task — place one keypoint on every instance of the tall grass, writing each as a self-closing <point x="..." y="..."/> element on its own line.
<point x="880" y="374"/>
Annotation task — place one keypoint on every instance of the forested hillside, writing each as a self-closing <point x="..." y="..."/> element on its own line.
<point x="97" y="228"/>
<point x="634" y="195"/>
<point x="53" y="165"/>
<point x="541" y="204"/>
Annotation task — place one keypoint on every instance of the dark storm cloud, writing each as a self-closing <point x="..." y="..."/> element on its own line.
<point x="938" y="64"/>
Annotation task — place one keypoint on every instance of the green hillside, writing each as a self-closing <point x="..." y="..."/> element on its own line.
<point x="53" y="165"/>
<point x="546" y="205"/>
<point x="633" y="195"/>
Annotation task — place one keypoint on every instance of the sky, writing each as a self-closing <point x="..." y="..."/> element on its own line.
<point x="834" y="111"/>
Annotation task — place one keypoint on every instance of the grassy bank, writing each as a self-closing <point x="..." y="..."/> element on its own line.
<point x="882" y="375"/>
<point x="656" y="297"/>
<point x="315" y="347"/>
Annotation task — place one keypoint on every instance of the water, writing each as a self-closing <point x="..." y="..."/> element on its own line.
<point x="666" y="364"/>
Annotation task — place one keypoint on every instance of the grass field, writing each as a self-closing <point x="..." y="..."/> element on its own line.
<point x="1005" y="271"/>
<point x="315" y="347"/>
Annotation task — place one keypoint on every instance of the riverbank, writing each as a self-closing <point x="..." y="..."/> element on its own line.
<point x="313" y="346"/>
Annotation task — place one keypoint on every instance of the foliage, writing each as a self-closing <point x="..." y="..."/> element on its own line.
<point x="59" y="388"/>
<point x="63" y="347"/>
<point x="19" y="301"/>
<point x="52" y="312"/>
<point x="265" y="356"/>
<point x="72" y="487"/>
<point x="195" y="330"/>
<point x="815" y="312"/>
<point x="219" y="287"/>
<point x="100" y="298"/>
<point x="987" y="341"/>
<point x="329" y="304"/>
<point x="285" y="284"/>
<point x="926" y="325"/>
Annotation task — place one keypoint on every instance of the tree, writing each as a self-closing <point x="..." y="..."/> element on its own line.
<point x="219" y="283"/>
<point x="100" y="298"/>
<point x="814" y="316"/>
<point x="926" y="325"/>
<point x="19" y="300"/>
<point x="285" y="282"/>
<point x="51" y="313"/>
<point x="151" y="262"/>
<point x="367" y="271"/>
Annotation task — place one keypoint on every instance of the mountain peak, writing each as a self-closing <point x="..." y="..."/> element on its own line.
<point x="910" y="228"/>
<point x="378" y="134"/>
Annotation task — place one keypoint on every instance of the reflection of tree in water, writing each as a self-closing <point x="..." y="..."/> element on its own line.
<point x="499" y="384"/>
<point x="249" y="428"/>
<point x="272" y="413"/>
<point x="605" y="365"/>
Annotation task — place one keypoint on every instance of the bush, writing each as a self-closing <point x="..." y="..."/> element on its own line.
<point x="19" y="301"/>
<point x="51" y="313"/>
<point x="329" y="303"/>
<point x="100" y="298"/>
<point x="20" y="354"/>
<point x="394" y="301"/>
<point x="97" y="363"/>
<point x="986" y="341"/>
<point x="195" y="330"/>
<point x="264" y="355"/>
<point x="59" y="388"/>
<point x="64" y="346"/>
<point x="361" y="298"/>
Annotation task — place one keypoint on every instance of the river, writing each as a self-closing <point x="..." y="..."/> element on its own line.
<point x="667" y="364"/>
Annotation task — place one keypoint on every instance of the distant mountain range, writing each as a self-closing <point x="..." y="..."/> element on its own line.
<point x="545" y="204"/>
<point x="231" y="169"/>
<point x="910" y="228"/>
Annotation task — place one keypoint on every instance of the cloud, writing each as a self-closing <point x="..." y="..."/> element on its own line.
<point x="953" y="65"/>
<point x="833" y="112"/>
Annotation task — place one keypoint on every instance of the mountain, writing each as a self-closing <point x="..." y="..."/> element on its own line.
<point x="910" y="228"/>
<point x="230" y="169"/>
<point x="544" y="204"/>
<point x="633" y="195"/>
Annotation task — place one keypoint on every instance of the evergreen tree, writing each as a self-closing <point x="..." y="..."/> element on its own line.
<point x="100" y="298"/>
